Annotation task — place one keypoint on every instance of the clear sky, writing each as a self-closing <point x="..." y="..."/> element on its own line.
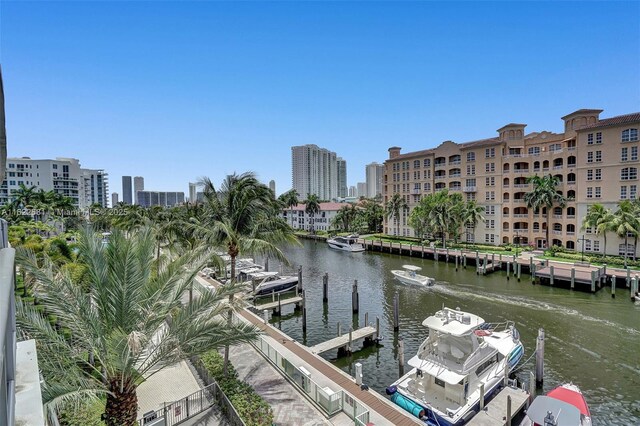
<point x="173" y="91"/>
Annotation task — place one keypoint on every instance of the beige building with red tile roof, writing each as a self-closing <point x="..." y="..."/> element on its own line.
<point x="596" y="161"/>
<point x="298" y="218"/>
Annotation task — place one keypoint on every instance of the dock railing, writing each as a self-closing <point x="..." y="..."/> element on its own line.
<point x="331" y="402"/>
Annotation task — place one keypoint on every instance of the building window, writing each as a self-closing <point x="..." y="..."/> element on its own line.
<point x="490" y="181"/>
<point x="590" y="139"/>
<point x="628" y="249"/>
<point x="623" y="192"/>
<point x="55" y="166"/>
<point x="489" y="153"/>
<point x="416" y="164"/>
<point x="471" y="169"/>
<point x="590" y="174"/>
<point x="555" y="147"/>
<point x="596" y="245"/>
<point x="598" y="156"/>
<point x="489" y="238"/>
<point x="598" y="174"/>
<point x="598" y="193"/>
<point x="634" y="153"/>
<point x="490" y="210"/>
<point x="427" y="162"/>
<point x="589" y="192"/>
<point x="629" y="135"/>
<point x="590" y="157"/>
<point x="427" y="186"/>
<point x="599" y="137"/>
<point x="491" y="224"/>
<point x="624" y="154"/>
<point x="587" y="245"/>
<point x="534" y="150"/>
<point x="490" y="167"/>
<point x="633" y="192"/>
<point x="471" y="156"/>
<point x="629" y="173"/>
<point x="587" y="230"/>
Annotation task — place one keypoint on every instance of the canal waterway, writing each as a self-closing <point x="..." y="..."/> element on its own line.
<point x="592" y="339"/>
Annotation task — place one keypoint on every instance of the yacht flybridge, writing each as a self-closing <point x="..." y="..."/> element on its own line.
<point x="461" y="353"/>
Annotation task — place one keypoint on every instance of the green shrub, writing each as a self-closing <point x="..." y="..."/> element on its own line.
<point x="253" y="410"/>
<point x="86" y="414"/>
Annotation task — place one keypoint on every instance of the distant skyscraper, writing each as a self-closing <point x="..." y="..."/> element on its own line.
<point x="138" y="185"/>
<point x="314" y="170"/>
<point x="375" y="175"/>
<point x="126" y="190"/>
<point x="155" y="198"/>
<point x="342" y="177"/>
<point x="353" y="192"/>
<point x="114" y="199"/>
<point x="96" y="184"/>
<point x="272" y="186"/>
<point x="192" y="193"/>
<point x="362" y="189"/>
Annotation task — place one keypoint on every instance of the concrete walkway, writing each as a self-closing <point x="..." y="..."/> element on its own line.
<point x="167" y="385"/>
<point x="289" y="407"/>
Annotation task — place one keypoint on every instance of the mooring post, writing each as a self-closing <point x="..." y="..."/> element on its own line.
<point x="593" y="281"/>
<point x="500" y="259"/>
<point x="396" y="315"/>
<point x="355" y="302"/>
<point x="530" y="264"/>
<point x="350" y="348"/>
<point x="447" y="255"/>
<point x="508" y="269"/>
<point x="400" y="249"/>
<point x="410" y="249"/>
<point x="477" y="258"/>
<point x="634" y="286"/>
<point x="628" y="277"/>
<point x="366" y="319"/>
<point x="540" y="358"/>
<point x="506" y="374"/>
<point x="358" y="373"/>
<point x="279" y="312"/>
<point x="266" y="264"/>
<point x="422" y="249"/>
<point x="299" y="279"/>
<point x="508" y="423"/>
<point x="532" y="385"/>
<point x="551" y="274"/>
<point x="265" y="316"/>
<point x="325" y="287"/>
<point x="304" y="312"/>
<point x="613" y="286"/>
<point x="273" y="295"/>
<point x="573" y="278"/>
<point x="519" y="271"/>
<point x="401" y="356"/>
<point x="532" y="271"/>
<point x="484" y="266"/>
<point x="339" y="329"/>
<point x="377" y="328"/>
<point x="464" y="259"/>
<point x="457" y="261"/>
<point x="482" y="397"/>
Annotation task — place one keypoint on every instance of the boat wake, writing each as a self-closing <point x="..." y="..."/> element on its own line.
<point x="531" y="304"/>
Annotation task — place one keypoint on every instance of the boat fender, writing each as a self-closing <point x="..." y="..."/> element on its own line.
<point x="391" y="390"/>
<point x="467" y="417"/>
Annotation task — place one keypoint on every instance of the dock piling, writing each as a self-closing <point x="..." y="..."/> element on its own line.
<point x="355" y="301"/>
<point x="519" y="271"/>
<point x="266" y="264"/>
<point x="350" y="347"/>
<point x="484" y="264"/>
<point x="508" y="269"/>
<point x="506" y="374"/>
<point x="279" y="311"/>
<point x="573" y="278"/>
<point x="613" y="286"/>
<point x="377" y="328"/>
<point x="532" y="385"/>
<point x="532" y="271"/>
<point x="477" y="258"/>
<point x="358" y="374"/>
<point x="551" y="274"/>
<point x="325" y="287"/>
<point x="447" y="255"/>
<point x="540" y="358"/>
<point x="339" y="329"/>
<point x="304" y="312"/>
<point x="628" y="277"/>
<point x="366" y="319"/>
<point x="396" y="315"/>
<point x="482" y="397"/>
<point x="508" y="423"/>
<point x="401" y="357"/>
<point x="457" y="262"/>
<point x="299" y="279"/>
<point x="464" y="261"/>
<point x="265" y="316"/>
<point x="593" y="281"/>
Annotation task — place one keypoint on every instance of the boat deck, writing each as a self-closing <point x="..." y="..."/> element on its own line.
<point x="495" y="413"/>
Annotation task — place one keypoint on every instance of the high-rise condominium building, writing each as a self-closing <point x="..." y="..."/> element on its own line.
<point x="158" y="198"/>
<point x="192" y="193"/>
<point x="374" y="176"/>
<point x="353" y="192"/>
<point x="272" y="186"/>
<point x="114" y="199"/>
<point x="127" y="196"/>
<point x="342" y="177"/>
<point x="314" y="170"/>
<point x="362" y="189"/>
<point x="596" y="161"/>
<point x="62" y="175"/>
<point x="138" y="185"/>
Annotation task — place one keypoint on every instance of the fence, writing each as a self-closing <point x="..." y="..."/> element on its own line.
<point x="7" y="329"/>
<point x="329" y="401"/>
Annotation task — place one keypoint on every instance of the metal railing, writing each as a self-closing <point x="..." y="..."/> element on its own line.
<point x="331" y="402"/>
<point x="7" y="329"/>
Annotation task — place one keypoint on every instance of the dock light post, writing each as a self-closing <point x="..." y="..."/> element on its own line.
<point x="582" y="239"/>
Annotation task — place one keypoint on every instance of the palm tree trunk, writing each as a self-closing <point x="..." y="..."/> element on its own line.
<point x="122" y="403"/>
<point x="625" y="249"/>
<point x="225" y="365"/>
<point x="604" y="252"/>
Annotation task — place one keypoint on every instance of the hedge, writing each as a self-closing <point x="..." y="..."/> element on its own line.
<point x="253" y="410"/>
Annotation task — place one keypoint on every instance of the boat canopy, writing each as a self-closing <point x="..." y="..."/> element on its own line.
<point x="454" y="322"/>
<point x="412" y="268"/>
<point x="564" y="414"/>
<point x="438" y="371"/>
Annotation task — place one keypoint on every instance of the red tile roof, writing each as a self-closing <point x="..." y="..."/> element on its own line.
<point x="615" y="121"/>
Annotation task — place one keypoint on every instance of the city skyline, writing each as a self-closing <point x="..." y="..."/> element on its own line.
<point x="403" y="79"/>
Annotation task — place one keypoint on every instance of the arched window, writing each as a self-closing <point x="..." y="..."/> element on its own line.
<point x="571" y="161"/>
<point x="505" y="226"/>
<point x="505" y="167"/>
<point x="557" y="227"/>
<point x="505" y="211"/>
<point x="536" y="166"/>
<point x="557" y="210"/>
<point x="536" y="226"/>
<point x="571" y="245"/>
<point x="571" y="227"/>
<point x="629" y="135"/>
<point x="571" y="178"/>
<point x="557" y="242"/>
<point x="571" y="211"/>
<point x="571" y="194"/>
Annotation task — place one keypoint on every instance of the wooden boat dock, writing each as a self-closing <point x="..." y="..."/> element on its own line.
<point x="496" y="412"/>
<point x="277" y="304"/>
<point x="344" y="341"/>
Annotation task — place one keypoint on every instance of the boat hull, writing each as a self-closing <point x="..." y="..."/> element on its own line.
<point x="424" y="281"/>
<point x="351" y="248"/>
<point x="278" y="286"/>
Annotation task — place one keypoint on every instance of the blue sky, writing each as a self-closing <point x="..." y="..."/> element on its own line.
<point x="173" y="91"/>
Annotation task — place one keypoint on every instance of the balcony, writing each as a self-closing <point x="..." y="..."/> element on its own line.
<point x="521" y="171"/>
<point x="557" y="167"/>
<point x="571" y="182"/>
<point x="454" y="162"/>
<point x="440" y="165"/>
<point x="571" y="216"/>
<point x="505" y="214"/>
<point x="455" y="175"/>
<point x="469" y="189"/>
<point x="557" y="216"/>
<point x="521" y="215"/>
<point x="521" y="231"/>
<point x="518" y="200"/>
<point x="505" y="185"/>
<point x="522" y="185"/>
<point x="571" y="233"/>
<point x="556" y="232"/>
<point x="416" y="191"/>
<point x="440" y="177"/>
<point x="571" y="148"/>
<point x="455" y="188"/>
<point x="545" y="169"/>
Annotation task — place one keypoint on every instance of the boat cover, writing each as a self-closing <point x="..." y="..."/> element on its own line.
<point x="572" y="397"/>
<point x="564" y="413"/>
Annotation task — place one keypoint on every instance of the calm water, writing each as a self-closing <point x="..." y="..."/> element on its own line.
<point x="592" y="340"/>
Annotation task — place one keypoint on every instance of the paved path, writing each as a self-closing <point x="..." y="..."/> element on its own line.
<point x="167" y="385"/>
<point x="289" y="407"/>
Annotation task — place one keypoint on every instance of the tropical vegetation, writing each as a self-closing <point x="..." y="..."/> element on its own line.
<point x="544" y="195"/>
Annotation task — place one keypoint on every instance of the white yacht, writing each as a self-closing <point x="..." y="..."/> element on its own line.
<point x="265" y="283"/>
<point x="461" y="353"/>
<point x="408" y="275"/>
<point x="349" y="243"/>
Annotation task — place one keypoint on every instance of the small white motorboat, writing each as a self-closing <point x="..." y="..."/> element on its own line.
<point x="349" y="243"/>
<point x="408" y="275"/>
<point x="563" y="406"/>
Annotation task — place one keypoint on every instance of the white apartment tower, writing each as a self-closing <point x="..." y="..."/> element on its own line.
<point x="314" y="170"/>
<point x="138" y="185"/>
<point x="362" y="189"/>
<point x="62" y="175"/>
<point x="192" y="193"/>
<point x="374" y="176"/>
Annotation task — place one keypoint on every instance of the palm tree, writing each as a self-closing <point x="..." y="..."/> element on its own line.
<point x="472" y="213"/>
<point x="601" y="220"/>
<point x="373" y="213"/>
<point x="290" y="200"/>
<point x="393" y="208"/>
<point x="544" y="194"/>
<point x="240" y="218"/>
<point x="625" y="222"/>
<point x="132" y="321"/>
<point x="346" y="218"/>
<point x="312" y="208"/>
<point x="23" y="196"/>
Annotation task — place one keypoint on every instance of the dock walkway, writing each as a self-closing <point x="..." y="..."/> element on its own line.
<point x="342" y="341"/>
<point x="495" y="413"/>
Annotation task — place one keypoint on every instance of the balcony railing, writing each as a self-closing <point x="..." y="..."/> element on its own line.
<point x="505" y="185"/>
<point x="556" y="232"/>
<point x="518" y="200"/>
<point x="521" y="185"/>
<point x="571" y="148"/>
<point x="439" y="165"/>
<point x="571" y="216"/>
<point x="441" y="177"/>
<point x="521" y="170"/>
<point x="469" y="189"/>
<point x="455" y="188"/>
<point x="521" y="231"/>
<point x="571" y="182"/>
<point x="571" y="233"/>
<point x="521" y="215"/>
<point x="545" y="169"/>
<point x="416" y="191"/>
<point x="558" y="167"/>
<point x="557" y="216"/>
<point x="454" y="162"/>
